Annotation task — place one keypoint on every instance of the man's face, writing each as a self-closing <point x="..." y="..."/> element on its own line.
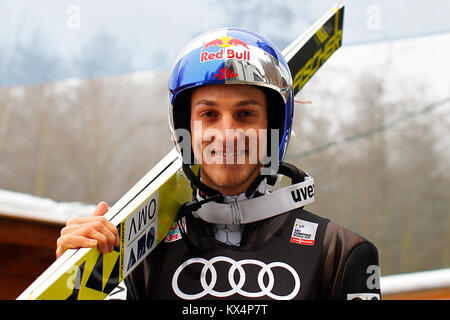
<point x="226" y="136"/>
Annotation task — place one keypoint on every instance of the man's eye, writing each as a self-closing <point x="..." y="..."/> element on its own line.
<point x="208" y="114"/>
<point x="245" y="113"/>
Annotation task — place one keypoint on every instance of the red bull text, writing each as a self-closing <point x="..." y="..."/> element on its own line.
<point x="232" y="48"/>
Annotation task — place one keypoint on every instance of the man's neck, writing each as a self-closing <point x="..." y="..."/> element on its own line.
<point x="229" y="190"/>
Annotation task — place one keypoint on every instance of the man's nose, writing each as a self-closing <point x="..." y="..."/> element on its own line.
<point x="228" y="122"/>
<point x="230" y="128"/>
<point x="232" y="133"/>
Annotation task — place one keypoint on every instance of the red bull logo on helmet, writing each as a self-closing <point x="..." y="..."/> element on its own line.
<point x="232" y="48"/>
<point x="225" y="42"/>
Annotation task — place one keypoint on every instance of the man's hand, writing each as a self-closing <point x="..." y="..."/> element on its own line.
<point x="89" y="232"/>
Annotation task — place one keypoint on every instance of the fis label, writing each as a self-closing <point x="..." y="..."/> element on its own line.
<point x="304" y="232"/>
<point x="174" y="232"/>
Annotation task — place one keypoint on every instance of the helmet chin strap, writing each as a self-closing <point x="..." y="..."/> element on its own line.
<point x="197" y="184"/>
<point x="211" y="210"/>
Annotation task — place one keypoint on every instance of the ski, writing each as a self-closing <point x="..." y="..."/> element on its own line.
<point x="309" y="52"/>
<point x="145" y="214"/>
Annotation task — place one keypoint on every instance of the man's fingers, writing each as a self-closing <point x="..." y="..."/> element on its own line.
<point x="86" y="237"/>
<point x="101" y="209"/>
<point x="104" y="241"/>
<point x="102" y="231"/>
<point x="98" y="223"/>
<point x="88" y="232"/>
<point x="73" y="242"/>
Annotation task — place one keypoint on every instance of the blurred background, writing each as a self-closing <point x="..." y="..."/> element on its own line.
<point x="83" y="116"/>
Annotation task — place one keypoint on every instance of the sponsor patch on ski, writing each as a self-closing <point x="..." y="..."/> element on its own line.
<point x="174" y="232"/>
<point x="139" y="236"/>
<point x="304" y="232"/>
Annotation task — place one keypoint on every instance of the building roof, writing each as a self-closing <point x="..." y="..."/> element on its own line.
<point x="24" y="206"/>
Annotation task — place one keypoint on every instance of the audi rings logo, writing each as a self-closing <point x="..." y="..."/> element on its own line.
<point x="208" y="288"/>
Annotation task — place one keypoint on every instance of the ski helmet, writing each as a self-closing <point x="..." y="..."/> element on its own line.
<point x="232" y="56"/>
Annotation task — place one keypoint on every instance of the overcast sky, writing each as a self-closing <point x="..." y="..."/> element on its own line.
<point x="58" y="39"/>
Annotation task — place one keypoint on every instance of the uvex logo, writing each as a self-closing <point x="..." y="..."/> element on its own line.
<point x="303" y="193"/>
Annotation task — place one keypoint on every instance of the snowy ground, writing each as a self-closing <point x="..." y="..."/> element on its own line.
<point x="25" y="206"/>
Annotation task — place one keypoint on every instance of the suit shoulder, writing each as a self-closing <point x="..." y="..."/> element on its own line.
<point x="312" y="217"/>
<point x="348" y="257"/>
<point x="337" y="234"/>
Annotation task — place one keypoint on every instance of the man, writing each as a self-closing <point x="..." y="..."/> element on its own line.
<point x="231" y="111"/>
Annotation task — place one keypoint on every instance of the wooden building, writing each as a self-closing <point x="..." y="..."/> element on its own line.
<point x="27" y="248"/>
<point x="29" y="228"/>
